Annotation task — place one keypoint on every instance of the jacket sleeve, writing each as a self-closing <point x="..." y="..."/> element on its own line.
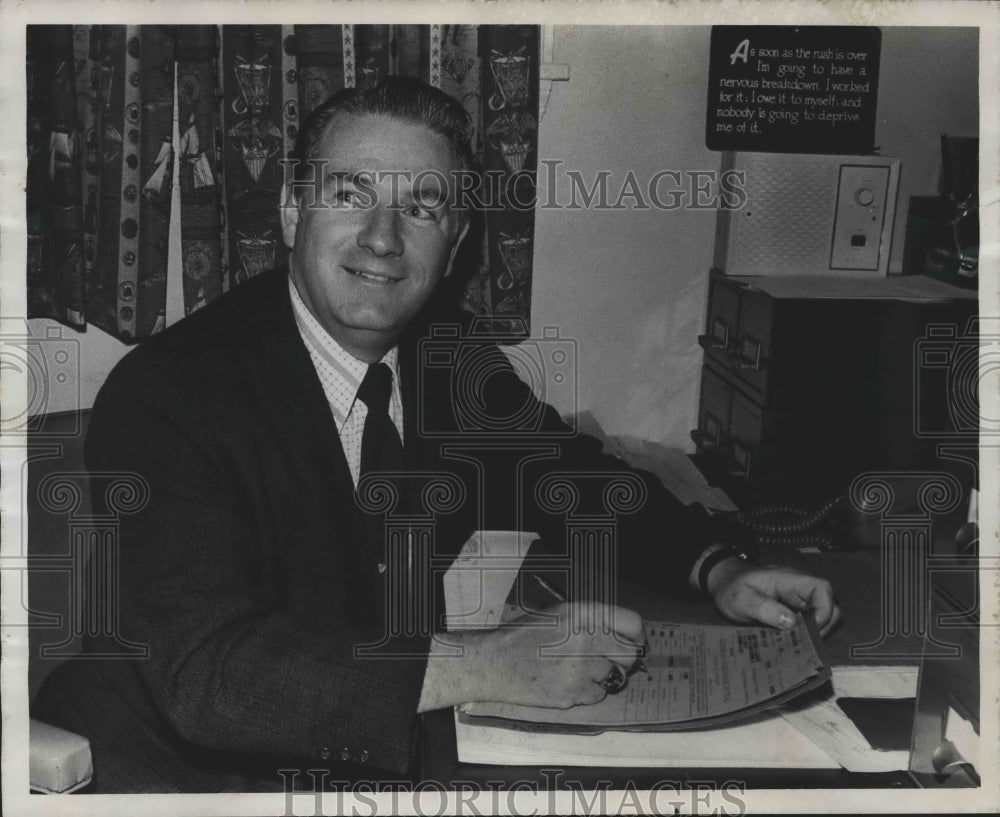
<point x="657" y="539"/>
<point x="227" y="669"/>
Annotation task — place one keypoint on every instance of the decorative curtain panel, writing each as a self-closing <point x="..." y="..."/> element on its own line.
<point x="102" y="103"/>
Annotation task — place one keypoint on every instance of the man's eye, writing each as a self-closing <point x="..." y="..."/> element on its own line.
<point x="339" y="197"/>
<point x="422" y="213"/>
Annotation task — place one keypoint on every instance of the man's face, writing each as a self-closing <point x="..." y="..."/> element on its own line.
<point x="368" y="256"/>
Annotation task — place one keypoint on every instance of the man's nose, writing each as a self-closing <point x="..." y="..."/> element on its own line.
<point x="380" y="232"/>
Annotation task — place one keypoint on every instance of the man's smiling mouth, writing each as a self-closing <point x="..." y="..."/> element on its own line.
<point x="373" y="276"/>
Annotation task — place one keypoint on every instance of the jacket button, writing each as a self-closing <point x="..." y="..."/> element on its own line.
<point x="324" y="753"/>
<point x="381" y="567"/>
<point x="363" y="757"/>
<point x="344" y="754"/>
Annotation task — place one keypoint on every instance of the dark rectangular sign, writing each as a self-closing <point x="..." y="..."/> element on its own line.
<point x="793" y="89"/>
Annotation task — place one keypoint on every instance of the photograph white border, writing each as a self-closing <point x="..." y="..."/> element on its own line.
<point x="16" y="14"/>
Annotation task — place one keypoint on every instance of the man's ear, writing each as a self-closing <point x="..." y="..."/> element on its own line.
<point x="289" y="218"/>
<point x="462" y="231"/>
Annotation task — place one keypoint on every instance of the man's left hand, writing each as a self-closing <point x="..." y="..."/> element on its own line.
<point x="771" y="595"/>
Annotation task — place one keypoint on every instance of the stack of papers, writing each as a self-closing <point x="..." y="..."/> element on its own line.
<point x="815" y="734"/>
<point x="772" y="743"/>
<point x="695" y="675"/>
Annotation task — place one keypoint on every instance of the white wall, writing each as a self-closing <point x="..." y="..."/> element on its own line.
<point x="630" y="286"/>
<point x="94" y="354"/>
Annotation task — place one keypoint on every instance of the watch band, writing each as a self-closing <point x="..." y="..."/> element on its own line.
<point x="713" y="558"/>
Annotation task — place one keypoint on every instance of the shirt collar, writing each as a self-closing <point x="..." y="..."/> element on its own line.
<point x="338" y="362"/>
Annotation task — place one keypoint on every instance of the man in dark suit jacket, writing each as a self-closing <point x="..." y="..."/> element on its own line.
<point x="259" y="584"/>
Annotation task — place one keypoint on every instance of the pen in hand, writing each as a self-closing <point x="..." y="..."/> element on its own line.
<point x="548" y="588"/>
<point x="638" y="666"/>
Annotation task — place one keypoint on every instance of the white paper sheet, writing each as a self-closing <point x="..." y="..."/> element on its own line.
<point x="770" y="743"/>
<point x="479" y="581"/>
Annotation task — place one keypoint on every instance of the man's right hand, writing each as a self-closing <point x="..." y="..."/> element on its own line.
<point x="558" y="659"/>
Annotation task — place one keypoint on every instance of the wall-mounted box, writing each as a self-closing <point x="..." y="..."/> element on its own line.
<point x="807" y="214"/>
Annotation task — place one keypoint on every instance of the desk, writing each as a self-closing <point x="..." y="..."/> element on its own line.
<point x="857" y="577"/>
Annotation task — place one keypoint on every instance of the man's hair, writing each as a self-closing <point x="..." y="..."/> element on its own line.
<point x="403" y="98"/>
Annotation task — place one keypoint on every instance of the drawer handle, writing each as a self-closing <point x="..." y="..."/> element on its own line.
<point x="709" y="435"/>
<point x="756" y="362"/>
<point x="711" y="342"/>
<point x="704" y="440"/>
<point x="718" y="337"/>
<point x="740" y="460"/>
<point x="740" y="362"/>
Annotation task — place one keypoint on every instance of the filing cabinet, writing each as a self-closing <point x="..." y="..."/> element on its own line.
<point x="808" y="381"/>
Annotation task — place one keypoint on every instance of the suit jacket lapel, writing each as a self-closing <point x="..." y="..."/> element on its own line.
<point x="294" y="396"/>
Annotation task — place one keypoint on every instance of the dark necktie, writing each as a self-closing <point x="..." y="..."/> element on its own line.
<point x="381" y="447"/>
<point x="397" y="600"/>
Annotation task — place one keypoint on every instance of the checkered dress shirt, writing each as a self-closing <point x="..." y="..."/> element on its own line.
<point x="341" y="374"/>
